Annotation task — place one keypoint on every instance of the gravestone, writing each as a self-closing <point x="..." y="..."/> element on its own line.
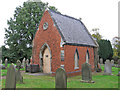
<point x="108" y="68"/>
<point x="2" y="66"/>
<point x="18" y="64"/>
<point x="112" y="63"/>
<point x="11" y="78"/>
<point x="60" y="78"/>
<point x="6" y="61"/>
<point x="0" y="61"/>
<point x="86" y="73"/>
<point x="27" y="62"/>
<point x="101" y="61"/>
<point x="118" y="63"/>
<point x="19" y="77"/>
<point x="99" y="68"/>
<point x="23" y="63"/>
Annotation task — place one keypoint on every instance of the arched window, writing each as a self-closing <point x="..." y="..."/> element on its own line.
<point x="87" y="56"/>
<point x="76" y="58"/>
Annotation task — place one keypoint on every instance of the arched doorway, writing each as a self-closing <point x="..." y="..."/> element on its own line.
<point x="45" y="58"/>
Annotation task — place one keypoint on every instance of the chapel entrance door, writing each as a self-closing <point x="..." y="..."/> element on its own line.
<point x="46" y="61"/>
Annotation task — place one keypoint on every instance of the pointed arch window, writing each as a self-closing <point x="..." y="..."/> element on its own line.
<point x="76" y="58"/>
<point x="87" y="56"/>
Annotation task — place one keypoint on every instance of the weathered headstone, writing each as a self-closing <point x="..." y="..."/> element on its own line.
<point x="23" y="63"/>
<point x="19" y="77"/>
<point x="11" y="78"/>
<point x="101" y="61"/>
<point x="118" y="63"/>
<point x="108" y="68"/>
<point x="2" y="66"/>
<point x="86" y="73"/>
<point x="99" y="68"/>
<point x="60" y="78"/>
<point x="6" y="61"/>
<point x="18" y="64"/>
<point x="0" y="61"/>
<point x="27" y="62"/>
<point x="112" y="63"/>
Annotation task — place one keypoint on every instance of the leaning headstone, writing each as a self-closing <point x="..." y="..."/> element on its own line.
<point x="6" y="61"/>
<point x="11" y="78"/>
<point x="23" y="63"/>
<point x="112" y="63"/>
<point x="108" y="68"/>
<point x="86" y="73"/>
<point x="19" y="77"/>
<point x="60" y="78"/>
<point x="101" y="61"/>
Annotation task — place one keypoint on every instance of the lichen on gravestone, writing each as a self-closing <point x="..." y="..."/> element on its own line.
<point x="108" y="68"/>
<point x="60" y="78"/>
<point x="86" y="73"/>
<point x="11" y="78"/>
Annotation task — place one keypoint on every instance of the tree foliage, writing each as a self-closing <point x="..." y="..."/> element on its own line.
<point x="22" y="28"/>
<point x="116" y="47"/>
<point x="105" y="49"/>
<point x="96" y="34"/>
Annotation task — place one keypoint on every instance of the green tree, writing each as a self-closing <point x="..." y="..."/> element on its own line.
<point x="105" y="49"/>
<point x="22" y="28"/>
<point x="96" y="34"/>
<point x="116" y="47"/>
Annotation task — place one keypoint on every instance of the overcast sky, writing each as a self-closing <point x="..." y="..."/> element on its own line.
<point x="102" y="14"/>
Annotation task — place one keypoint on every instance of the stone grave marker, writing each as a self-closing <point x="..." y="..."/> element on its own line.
<point x="2" y="66"/>
<point x="18" y="64"/>
<point x="118" y="63"/>
<point x="23" y="62"/>
<point x="112" y="63"/>
<point x="86" y="73"/>
<point x="60" y="78"/>
<point x="11" y="78"/>
<point x="6" y="61"/>
<point x="101" y="61"/>
<point x="0" y="61"/>
<point x="108" y="68"/>
<point x="19" y="77"/>
<point x="99" y="68"/>
<point x="27" y="62"/>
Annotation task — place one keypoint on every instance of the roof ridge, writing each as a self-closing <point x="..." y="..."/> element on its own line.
<point x="65" y="15"/>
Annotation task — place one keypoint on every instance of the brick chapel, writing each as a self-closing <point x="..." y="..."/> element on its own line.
<point x="62" y="41"/>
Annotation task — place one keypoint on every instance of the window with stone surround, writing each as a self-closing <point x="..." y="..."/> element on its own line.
<point x="62" y="55"/>
<point x="87" y="56"/>
<point x="76" y="58"/>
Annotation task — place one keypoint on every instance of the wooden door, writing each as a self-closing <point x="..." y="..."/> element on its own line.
<point x="46" y="61"/>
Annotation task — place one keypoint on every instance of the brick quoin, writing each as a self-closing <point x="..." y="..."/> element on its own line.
<point x="52" y="37"/>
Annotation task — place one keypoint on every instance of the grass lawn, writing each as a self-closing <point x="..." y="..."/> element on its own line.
<point x="101" y="81"/>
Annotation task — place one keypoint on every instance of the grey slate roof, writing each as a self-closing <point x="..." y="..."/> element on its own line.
<point x="72" y="30"/>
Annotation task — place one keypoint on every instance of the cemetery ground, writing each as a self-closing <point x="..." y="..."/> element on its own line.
<point x="47" y="81"/>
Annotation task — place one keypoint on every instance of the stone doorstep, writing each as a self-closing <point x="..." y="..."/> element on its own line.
<point x="86" y="81"/>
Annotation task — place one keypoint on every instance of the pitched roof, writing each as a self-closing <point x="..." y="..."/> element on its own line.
<point x="72" y="30"/>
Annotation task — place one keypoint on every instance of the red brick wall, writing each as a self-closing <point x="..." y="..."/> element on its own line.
<point x="69" y="57"/>
<point x="52" y="37"/>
